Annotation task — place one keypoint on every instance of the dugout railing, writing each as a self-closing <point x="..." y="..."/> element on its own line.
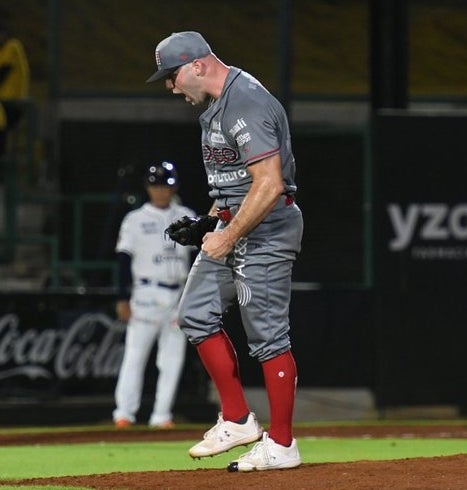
<point x="66" y="271"/>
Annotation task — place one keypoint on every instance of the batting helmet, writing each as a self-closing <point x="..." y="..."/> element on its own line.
<point x="162" y="174"/>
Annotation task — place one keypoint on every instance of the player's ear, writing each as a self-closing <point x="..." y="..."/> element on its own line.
<point x="199" y="68"/>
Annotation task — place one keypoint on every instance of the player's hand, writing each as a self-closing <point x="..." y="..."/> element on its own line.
<point x="217" y="244"/>
<point x="123" y="310"/>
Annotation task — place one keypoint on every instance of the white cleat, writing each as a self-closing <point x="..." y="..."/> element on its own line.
<point x="267" y="455"/>
<point x="226" y="435"/>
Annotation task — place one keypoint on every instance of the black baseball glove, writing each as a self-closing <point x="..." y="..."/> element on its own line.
<point x="190" y="231"/>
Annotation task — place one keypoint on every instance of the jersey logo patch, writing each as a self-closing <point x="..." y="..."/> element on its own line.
<point x="240" y="124"/>
<point x="243" y="138"/>
<point x="150" y="227"/>
<point x="219" y="155"/>
<point x="239" y="261"/>
<point x="217" y="138"/>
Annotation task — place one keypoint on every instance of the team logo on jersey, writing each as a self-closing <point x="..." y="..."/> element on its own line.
<point x="221" y="155"/>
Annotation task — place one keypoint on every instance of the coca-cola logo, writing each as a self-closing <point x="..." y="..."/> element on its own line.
<point x="91" y="346"/>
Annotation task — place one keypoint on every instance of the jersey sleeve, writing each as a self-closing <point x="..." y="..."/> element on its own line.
<point x="125" y="240"/>
<point x="254" y="130"/>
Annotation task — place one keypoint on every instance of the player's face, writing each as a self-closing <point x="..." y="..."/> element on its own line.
<point x="160" y="195"/>
<point x="184" y="81"/>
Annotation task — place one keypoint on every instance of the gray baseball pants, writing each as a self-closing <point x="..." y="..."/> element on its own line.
<point x="258" y="275"/>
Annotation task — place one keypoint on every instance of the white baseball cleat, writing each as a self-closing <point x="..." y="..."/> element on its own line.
<point x="226" y="435"/>
<point x="267" y="455"/>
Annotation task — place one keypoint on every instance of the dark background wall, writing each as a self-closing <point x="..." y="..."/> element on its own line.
<point x="402" y="335"/>
<point x="420" y="282"/>
<point x="330" y="176"/>
<point x="392" y="319"/>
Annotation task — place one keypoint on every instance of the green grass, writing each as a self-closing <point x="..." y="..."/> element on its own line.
<point x="18" y="462"/>
<point x="41" y="487"/>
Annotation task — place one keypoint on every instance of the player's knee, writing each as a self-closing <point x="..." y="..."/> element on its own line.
<point x="186" y="321"/>
<point x="188" y="316"/>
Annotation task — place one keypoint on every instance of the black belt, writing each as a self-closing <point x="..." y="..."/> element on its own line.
<point x="145" y="281"/>
<point x="168" y="286"/>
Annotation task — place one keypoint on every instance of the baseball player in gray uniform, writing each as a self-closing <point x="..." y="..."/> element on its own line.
<point x="249" y="256"/>
<point x="152" y="272"/>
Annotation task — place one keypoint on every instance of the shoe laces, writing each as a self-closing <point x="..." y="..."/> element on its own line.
<point x="260" y="450"/>
<point x="212" y="433"/>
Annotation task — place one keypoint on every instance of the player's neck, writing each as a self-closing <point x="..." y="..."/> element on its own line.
<point x="218" y="75"/>
<point x="161" y="206"/>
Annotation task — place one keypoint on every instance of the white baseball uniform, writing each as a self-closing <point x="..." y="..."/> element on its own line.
<point x="159" y="268"/>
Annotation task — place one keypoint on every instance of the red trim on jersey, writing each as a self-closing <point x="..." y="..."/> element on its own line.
<point x="262" y="156"/>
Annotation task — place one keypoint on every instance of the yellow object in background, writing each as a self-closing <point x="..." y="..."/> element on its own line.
<point x="16" y="83"/>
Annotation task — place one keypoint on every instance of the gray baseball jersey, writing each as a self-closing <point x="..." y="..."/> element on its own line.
<point x="246" y="124"/>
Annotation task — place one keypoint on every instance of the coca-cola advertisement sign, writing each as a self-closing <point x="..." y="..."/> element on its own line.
<point x="50" y="346"/>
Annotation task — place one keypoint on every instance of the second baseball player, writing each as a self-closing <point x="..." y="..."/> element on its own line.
<point x="152" y="272"/>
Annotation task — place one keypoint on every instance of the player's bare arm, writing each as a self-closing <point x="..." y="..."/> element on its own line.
<point x="265" y="191"/>
<point x="123" y="310"/>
